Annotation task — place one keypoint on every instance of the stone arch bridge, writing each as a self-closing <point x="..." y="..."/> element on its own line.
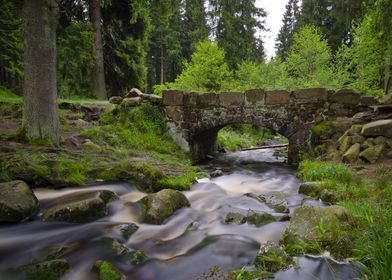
<point x="195" y="118"/>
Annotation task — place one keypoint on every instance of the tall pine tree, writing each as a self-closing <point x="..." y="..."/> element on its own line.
<point x="235" y="27"/>
<point x="195" y="27"/>
<point x="290" y="25"/>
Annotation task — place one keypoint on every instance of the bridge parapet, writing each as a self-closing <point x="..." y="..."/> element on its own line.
<point x="196" y="117"/>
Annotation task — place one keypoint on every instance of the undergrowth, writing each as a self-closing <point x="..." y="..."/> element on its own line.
<point x="370" y="202"/>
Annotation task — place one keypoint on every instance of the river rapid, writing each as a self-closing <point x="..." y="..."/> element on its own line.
<point x="191" y="244"/>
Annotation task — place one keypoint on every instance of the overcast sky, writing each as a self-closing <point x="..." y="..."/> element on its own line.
<point x="275" y="10"/>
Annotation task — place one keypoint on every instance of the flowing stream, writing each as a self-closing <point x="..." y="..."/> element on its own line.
<point x="189" y="245"/>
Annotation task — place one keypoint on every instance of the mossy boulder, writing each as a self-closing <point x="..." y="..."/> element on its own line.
<point x="107" y="271"/>
<point x="159" y="206"/>
<point x="235" y="219"/>
<point x="378" y="128"/>
<point x="345" y="143"/>
<point x="259" y="219"/>
<point x="82" y="208"/>
<point x="310" y="188"/>
<point x="372" y="154"/>
<point x="17" y="201"/>
<point x="48" y="270"/>
<point x="272" y="258"/>
<point x="352" y="154"/>
<point x="276" y="201"/>
<point x="314" y="229"/>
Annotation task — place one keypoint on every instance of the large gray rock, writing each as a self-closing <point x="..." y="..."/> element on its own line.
<point x="259" y="219"/>
<point x="318" y="229"/>
<point x="82" y="208"/>
<point x="378" y="128"/>
<point x="159" y="206"/>
<point x="310" y="188"/>
<point x="372" y="154"/>
<point x="352" y="153"/>
<point x="276" y="201"/>
<point x="17" y="201"/>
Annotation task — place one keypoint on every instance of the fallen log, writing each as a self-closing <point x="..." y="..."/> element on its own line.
<point x="265" y="147"/>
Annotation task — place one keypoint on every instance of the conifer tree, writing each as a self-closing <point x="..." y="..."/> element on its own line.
<point x="290" y="24"/>
<point x="235" y="24"/>
<point x="195" y="25"/>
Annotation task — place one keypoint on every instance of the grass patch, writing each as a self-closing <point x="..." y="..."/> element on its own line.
<point x="310" y="170"/>
<point x="8" y="96"/>
<point x="370" y="203"/>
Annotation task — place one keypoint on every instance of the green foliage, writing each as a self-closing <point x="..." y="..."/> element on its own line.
<point x="75" y="52"/>
<point x="207" y="70"/>
<point x="125" y="33"/>
<point x="8" y="96"/>
<point x="370" y="203"/>
<point x="308" y="60"/>
<point x="11" y="44"/>
<point x="233" y="138"/>
<point x="107" y="271"/>
<point x="290" y="25"/>
<point x="235" y="25"/>
<point x="266" y="75"/>
<point x="71" y="171"/>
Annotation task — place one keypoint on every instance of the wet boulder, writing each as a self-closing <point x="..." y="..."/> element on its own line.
<point x="17" y="201"/>
<point x="259" y="219"/>
<point x="276" y="201"/>
<point x="320" y="228"/>
<point x="107" y="271"/>
<point x="81" y="208"/>
<point x="235" y="219"/>
<point x="378" y="128"/>
<point x="159" y="206"/>
<point x="53" y="269"/>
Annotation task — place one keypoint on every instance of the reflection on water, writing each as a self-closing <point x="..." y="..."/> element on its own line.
<point x="188" y="243"/>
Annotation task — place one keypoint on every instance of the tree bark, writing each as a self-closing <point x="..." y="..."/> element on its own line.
<point x="98" y="78"/>
<point x="40" y="113"/>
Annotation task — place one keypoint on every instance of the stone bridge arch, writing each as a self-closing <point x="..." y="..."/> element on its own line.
<point x="195" y="117"/>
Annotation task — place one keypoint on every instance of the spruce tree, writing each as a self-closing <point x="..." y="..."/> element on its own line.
<point x="195" y="27"/>
<point x="235" y="24"/>
<point x="290" y="24"/>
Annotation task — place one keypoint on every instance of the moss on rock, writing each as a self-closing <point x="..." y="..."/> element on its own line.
<point x="161" y="205"/>
<point x="17" y="201"/>
<point x="315" y="229"/>
<point x="82" y="208"/>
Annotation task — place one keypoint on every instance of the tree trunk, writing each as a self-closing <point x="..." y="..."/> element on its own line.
<point x="40" y="113"/>
<point x="98" y="78"/>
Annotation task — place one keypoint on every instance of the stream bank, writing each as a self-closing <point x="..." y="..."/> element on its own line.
<point x="195" y="242"/>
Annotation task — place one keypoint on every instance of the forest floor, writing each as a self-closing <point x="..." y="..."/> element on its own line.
<point x="93" y="151"/>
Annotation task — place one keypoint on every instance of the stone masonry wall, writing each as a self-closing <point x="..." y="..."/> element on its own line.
<point x="197" y="117"/>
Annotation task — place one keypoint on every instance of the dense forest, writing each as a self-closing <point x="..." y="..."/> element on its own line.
<point x="154" y="45"/>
